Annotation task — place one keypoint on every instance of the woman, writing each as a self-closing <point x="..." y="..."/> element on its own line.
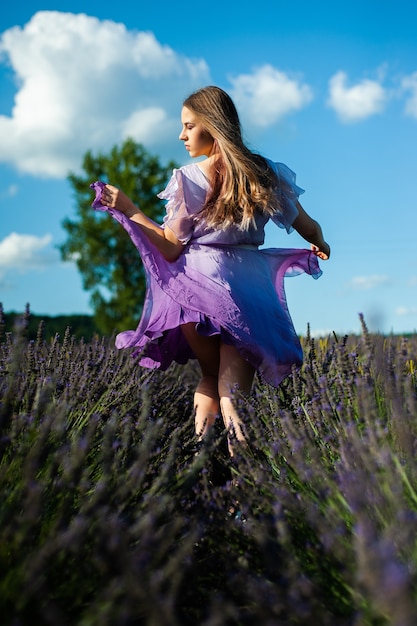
<point x="211" y="293"/>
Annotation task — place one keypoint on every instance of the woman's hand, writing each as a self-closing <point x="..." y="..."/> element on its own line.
<point x="113" y="198"/>
<point x="323" y="253"/>
<point x="311" y="231"/>
<point x="163" y="238"/>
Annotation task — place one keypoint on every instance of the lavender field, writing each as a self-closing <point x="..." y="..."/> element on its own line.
<point x="109" y="518"/>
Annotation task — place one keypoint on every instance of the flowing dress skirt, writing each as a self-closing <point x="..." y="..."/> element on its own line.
<point x="237" y="292"/>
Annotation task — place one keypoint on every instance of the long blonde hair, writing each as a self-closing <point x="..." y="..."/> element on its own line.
<point x="242" y="182"/>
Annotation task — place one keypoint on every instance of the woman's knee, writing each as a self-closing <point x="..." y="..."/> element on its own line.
<point x="235" y="373"/>
<point x="208" y="386"/>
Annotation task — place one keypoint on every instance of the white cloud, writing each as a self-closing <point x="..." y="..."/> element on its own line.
<point x="9" y="192"/>
<point x="25" y="252"/>
<point x="320" y="332"/>
<point x="150" y="126"/>
<point x="84" y="84"/>
<point x="369" y="282"/>
<point x="267" y="95"/>
<point x="404" y="311"/>
<point x="409" y="83"/>
<point x="356" y="103"/>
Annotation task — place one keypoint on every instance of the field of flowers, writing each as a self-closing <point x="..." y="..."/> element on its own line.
<point x="109" y="518"/>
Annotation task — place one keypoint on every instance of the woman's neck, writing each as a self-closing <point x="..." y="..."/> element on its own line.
<point x="206" y="166"/>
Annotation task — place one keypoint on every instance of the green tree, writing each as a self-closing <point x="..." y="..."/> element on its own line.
<point x="109" y="264"/>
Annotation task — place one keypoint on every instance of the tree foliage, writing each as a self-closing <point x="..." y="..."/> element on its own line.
<point x="80" y="326"/>
<point x="109" y="264"/>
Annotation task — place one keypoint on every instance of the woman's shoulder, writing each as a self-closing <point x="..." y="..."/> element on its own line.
<point x="193" y="171"/>
<point x="192" y="176"/>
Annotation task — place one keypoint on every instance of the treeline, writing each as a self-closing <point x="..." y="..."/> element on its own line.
<point x="81" y="326"/>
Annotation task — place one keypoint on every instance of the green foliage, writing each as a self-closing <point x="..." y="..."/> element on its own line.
<point x="108" y="517"/>
<point x="81" y="326"/>
<point x="109" y="264"/>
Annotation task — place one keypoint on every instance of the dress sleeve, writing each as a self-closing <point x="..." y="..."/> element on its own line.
<point x="177" y="217"/>
<point x="288" y="193"/>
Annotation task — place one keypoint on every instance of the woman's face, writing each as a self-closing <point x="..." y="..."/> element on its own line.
<point x="196" y="139"/>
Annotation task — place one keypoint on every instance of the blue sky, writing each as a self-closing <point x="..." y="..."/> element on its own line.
<point x="328" y="88"/>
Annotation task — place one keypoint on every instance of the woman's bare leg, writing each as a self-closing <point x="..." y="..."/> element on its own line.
<point x="235" y="375"/>
<point x="224" y="371"/>
<point x="206" y="405"/>
<point x="206" y="396"/>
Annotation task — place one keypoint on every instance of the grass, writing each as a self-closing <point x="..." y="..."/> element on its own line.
<point x="109" y="518"/>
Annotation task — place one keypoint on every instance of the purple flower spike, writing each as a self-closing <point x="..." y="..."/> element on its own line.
<point x="98" y="187"/>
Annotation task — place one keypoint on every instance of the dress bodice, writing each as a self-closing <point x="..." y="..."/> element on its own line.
<point x="186" y="194"/>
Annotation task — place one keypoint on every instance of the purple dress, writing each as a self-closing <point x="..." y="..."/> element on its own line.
<point x="221" y="281"/>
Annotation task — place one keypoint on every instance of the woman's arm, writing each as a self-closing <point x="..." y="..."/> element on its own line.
<point x="311" y="231"/>
<point x="163" y="238"/>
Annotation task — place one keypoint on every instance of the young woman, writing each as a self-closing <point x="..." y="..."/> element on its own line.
<point x="212" y="294"/>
